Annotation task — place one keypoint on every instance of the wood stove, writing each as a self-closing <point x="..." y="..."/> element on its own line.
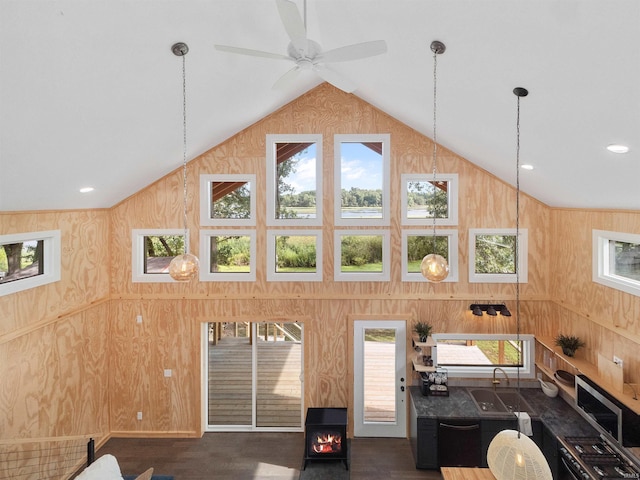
<point x="326" y="435"/>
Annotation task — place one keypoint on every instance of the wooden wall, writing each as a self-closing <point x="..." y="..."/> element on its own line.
<point x="170" y="338"/>
<point x="608" y="319"/>
<point x="53" y="343"/>
<point x="77" y="362"/>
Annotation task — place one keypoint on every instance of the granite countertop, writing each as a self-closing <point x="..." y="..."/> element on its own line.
<point x="555" y="413"/>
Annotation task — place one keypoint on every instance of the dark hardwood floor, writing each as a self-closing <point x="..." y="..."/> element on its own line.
<point x="264" y="455"/>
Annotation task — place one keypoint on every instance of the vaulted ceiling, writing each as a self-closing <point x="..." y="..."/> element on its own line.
<point x="91" y="94"/>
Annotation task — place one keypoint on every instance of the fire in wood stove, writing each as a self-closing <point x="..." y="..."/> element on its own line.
<point x="327" y="442"/>
<point x="326" y="435"/>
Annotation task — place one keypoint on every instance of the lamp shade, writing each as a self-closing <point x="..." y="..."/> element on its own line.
<point x="434" y="267"/>
<point x="514" y="456"/>
<point x="184" y="267"/>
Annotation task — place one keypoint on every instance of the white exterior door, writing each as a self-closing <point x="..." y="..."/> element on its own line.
<point x="380" y="387"/>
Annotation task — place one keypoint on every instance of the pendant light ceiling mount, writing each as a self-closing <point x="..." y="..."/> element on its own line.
<point x="438" y="47"/>
<point x="180" y="49"/>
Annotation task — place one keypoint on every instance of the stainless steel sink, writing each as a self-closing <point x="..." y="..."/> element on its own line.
<point x="499" y="401"/>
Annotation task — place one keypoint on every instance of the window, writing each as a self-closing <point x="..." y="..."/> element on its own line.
<point x="492" y="255"/>
<point x="616" y="260"/>
<point x="361" y="179"/>
<point x="228" y="255"/>
<point x="152" y="252"/>
<point x="476" y="355"/>
<point x="294" y="256"/>
<point x="227" y="200"/>
<point x="29" y="260"/>
<point x="361" y="255"/>
<point x="416" y="244"/>
<point x="418" y="199"/>
<point x="294" y="180"/>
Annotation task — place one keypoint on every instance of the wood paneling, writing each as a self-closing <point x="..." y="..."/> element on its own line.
<point x="97" y="250"/>
<point x="607" y="319"/>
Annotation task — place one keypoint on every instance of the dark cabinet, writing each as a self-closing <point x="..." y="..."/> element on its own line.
<point x="550" y="450"/>
<point x="424" y="440"/>
<point x="459" y="443"/>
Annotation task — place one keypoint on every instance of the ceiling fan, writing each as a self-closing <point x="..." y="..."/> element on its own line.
<point x="307" y="54"/>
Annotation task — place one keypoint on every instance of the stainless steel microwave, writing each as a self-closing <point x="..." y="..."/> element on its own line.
<point x="607" y="414"/>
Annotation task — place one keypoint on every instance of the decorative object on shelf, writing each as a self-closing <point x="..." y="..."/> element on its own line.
<point x="492" y="309"/>
<point x="548" y="388"/>
<point x="512" y="455"/>
<point x="569" y="344"/>
<point x="434" y="267"/>
<point x="435" y="383"/>
<point x="184" y="267"/>
<point x="423" y="329"/>
<point x="565" y="377"/>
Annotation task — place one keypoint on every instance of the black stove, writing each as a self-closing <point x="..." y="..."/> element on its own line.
<point x="595" y="458"/>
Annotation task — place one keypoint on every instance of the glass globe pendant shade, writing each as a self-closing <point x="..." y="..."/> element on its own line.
<point x="514" y="456"/>
<point x="434" y="267"/>
<point x="184" y="267"/>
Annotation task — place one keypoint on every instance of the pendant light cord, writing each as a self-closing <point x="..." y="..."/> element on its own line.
<point x="516" y="256"/>
<point x="184" y="153"/>
<point x="435" y="140"/>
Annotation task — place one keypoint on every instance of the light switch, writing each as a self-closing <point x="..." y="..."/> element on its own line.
<point x="139" y="319"/>
<point x="167" y="372"/>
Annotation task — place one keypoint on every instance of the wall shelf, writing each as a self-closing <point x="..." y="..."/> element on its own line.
<point x="578" y="365"/>
<point x="424" y="348"/>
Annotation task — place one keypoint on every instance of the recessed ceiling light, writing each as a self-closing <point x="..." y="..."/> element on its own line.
<point x="86" y="189"/>
<point x="616" y="148"/>
<point x="526" y="166"/>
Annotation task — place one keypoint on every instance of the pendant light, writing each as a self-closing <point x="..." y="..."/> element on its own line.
<point x="434" y="267"/>
<point x="184" y="267"/>
<point x="512" y="455"/>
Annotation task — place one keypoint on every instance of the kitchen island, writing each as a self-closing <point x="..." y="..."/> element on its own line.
<point x="463" y="473"/>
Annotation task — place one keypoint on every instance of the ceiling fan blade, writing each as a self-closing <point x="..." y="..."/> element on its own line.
<point x="356" y="51"/>
<point x="336" y="79"/>
<point x="252" y="53"/>
<point x="287" y="79"/>
<point x="291" y="19"/>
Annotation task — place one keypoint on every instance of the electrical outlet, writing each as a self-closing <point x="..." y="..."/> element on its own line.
<point x="167" y="372"/>
<point x="618" y="361"/>
<point x="139" y="416"/>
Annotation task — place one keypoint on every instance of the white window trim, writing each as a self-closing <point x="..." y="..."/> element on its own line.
<point x="271" y="179"/>
<point x="340" y="276"/>
<point x="601" y="261"/>
<point x="205" y="257"/>
<point x="137" y="254"/>
<point x="273" y="276"/>
<point x="523" y="254"/>
<point x="482" y="371"/>
<point x="452" y="198"/>
<point x="385" y="139"/>
<point x="52" y="260"/>
<point x="452" y="260"/>
<point x="205" y="200"/>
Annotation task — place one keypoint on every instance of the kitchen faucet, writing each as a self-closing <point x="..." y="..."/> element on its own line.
<point x="495" y="380"/>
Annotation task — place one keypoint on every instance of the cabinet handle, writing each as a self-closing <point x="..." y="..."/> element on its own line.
<point x="461" y="427"/>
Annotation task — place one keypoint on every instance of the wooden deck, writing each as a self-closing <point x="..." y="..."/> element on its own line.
<point x="279" y="402"/>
